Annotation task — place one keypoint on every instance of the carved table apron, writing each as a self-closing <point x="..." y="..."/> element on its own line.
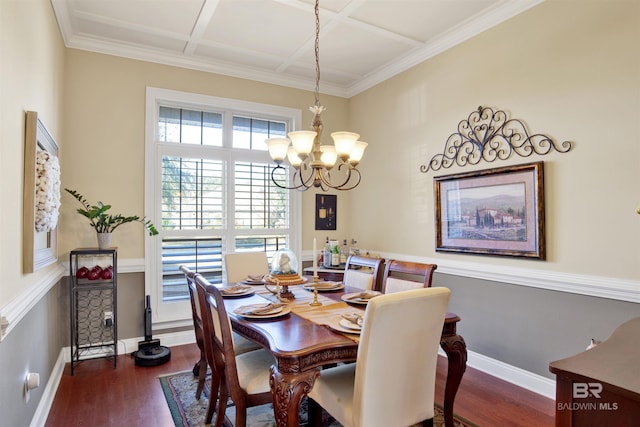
<point x="301" y="347"/>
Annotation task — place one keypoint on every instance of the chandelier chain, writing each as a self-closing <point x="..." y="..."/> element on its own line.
<point x="317" y="52"/>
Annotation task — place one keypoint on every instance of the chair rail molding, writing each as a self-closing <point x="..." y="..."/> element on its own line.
<point x="20" y="306"/>
<point x="595" y="286"/>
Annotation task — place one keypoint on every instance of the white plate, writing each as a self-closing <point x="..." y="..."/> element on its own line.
<point x="346" y="298"/>
<point x="336" y="325"/>
<point x="350" y="325"/>
<point x="276" y="312"/>
<point x="237" y="294"/>
<point x="325" y="286"/>
<point x="251" y="282"/>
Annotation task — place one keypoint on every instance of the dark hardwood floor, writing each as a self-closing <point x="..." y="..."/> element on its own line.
<point x="99" y="396"/>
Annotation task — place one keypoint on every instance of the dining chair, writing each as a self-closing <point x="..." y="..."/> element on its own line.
<point x="392" y="382"/>
<point x="243" y="377"/>
<point x="200" y="368"/>
<point x="362" y="272"/>
<point x="403" y="275"/>
<point x="239" y="265"/>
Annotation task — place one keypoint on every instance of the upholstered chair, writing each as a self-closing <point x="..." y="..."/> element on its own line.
<point x="392" y="382"/>
<point x="402" y="275"/>
<point x="243" y="377"/>
<point x="363" y="272"/>
<point x="240" y="265"/>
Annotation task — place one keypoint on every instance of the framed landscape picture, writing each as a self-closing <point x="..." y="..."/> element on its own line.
<point x="493" y="212"/>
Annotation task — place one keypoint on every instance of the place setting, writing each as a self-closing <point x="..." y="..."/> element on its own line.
<point x="236" y="291"/>
<point x="257" y="279"/>
<point x="360" y="297"/>
<point x="349" y="323"/>
<point x="325" y="286"/>
<point x="262" y="311"/>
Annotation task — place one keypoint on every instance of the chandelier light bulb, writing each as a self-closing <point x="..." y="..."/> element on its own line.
<point x="302" y="141"/>
<point x="329" y="156"/>
<point x="357" y="152"/>
<point x="278" y="148"/>
<point x="294" y="157"/>
<point x="344" y="142"/>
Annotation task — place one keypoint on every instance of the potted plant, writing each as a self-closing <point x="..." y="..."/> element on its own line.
<point x="105" y="223"/>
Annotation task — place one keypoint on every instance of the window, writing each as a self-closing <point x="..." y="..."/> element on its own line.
<point x="208" y="185"/>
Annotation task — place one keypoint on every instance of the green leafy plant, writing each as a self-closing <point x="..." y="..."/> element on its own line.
<point x="104" y="222"/>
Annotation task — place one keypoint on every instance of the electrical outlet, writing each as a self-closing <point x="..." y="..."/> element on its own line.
<point x="108" y="319"/>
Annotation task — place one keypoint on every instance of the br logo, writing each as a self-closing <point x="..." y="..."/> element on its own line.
<point x="584" y="390"/>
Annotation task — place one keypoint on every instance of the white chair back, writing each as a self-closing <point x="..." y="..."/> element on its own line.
<point x="397" y="355"/>
<point x="398" y="285"/>
<point x="240" y="265"/>
<point x="358" y="279"/>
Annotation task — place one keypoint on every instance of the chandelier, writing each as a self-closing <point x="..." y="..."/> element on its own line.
<point x="313" y="163"/>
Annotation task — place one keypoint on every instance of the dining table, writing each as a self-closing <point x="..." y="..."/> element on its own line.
<point x="307" y="337"/>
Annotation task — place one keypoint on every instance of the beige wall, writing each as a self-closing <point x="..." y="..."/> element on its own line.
<point x="104" y="137"/>
<point x="569" y="71"/>
<point x="31" y="79"/>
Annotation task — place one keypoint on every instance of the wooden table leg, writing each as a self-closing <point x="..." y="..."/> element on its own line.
<point x="288" y="390"/>
<point x="456" y="350"/>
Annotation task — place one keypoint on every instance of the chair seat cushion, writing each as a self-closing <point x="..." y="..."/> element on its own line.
<point x="333" y="390"/>
<point x="253" y="371"/>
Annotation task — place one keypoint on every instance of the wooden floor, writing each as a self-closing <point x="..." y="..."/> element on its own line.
<point x="99" y="396"/>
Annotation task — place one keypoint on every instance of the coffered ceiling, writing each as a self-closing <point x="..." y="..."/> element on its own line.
<point x="362" y="42"/>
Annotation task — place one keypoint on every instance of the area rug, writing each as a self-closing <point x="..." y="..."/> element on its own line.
<point x="180" y="392"/>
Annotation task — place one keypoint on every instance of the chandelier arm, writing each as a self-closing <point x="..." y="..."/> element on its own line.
<point x="284" y="187"/>
<point x="350" y="173"/>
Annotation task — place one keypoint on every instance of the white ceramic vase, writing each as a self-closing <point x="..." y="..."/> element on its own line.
<point x="104" y="240"/>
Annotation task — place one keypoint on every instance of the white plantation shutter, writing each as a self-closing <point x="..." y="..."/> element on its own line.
<point x="214" y="193"/>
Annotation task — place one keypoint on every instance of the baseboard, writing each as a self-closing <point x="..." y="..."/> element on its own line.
<point x="44" y="406"/>
<point x="528" y="380"/>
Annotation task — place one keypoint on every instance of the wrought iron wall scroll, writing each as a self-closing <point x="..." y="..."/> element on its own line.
<point x="488" y="135"/>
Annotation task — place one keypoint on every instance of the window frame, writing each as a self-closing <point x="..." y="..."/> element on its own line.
<point x="178" y="313"/>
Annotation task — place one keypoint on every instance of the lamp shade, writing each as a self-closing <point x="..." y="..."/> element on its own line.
<point x="357" y="152"/>
<point x="277" y="148"/>
<point x="293" y="157"/>
<point x="302" y="141"/>
<point x="329" y="156"/>
<point x="344" y="142"/>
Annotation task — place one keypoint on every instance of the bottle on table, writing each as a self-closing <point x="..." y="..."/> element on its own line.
<point x="344" y="253"/>
<point x="335" y="256"/>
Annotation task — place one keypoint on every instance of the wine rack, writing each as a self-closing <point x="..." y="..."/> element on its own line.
<point x="93" y="305"/>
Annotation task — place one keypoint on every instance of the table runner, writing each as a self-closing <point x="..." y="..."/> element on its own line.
<point x="329" y="312"/>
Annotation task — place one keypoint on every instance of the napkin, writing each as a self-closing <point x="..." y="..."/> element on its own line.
<point x="257" y="278"/>
<point x="325" y="285"/>
<point x="354" y="318"/>
<point x="364" y="295"/>
<point x="234" y="289"/>
<point x="258" y="309"/>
